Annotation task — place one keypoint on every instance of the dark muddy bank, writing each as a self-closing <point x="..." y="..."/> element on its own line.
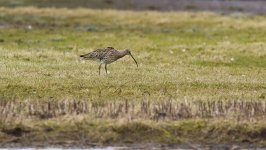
<point x="78" y="131"/>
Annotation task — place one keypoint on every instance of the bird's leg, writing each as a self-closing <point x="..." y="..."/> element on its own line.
<point x="105" y="68"/>
<point x="100" y="68"/>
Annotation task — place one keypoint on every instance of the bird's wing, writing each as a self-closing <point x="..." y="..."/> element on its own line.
<point x="99" y="53"/>
<point x="110" y="47"/>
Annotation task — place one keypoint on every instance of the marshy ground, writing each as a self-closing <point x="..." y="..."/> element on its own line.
<point x="202" y="77"/>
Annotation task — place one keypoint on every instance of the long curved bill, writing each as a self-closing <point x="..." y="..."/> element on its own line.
<point x="134" y="60"/>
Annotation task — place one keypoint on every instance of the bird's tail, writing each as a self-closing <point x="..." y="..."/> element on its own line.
<point x="81" y="57"/>
<point x="85" y="56"/>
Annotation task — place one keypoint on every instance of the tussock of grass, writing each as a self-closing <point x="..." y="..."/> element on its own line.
<point x="165" y="109"/>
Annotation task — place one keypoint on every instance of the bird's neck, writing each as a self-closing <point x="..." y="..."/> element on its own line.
<point x="122" y="54"/>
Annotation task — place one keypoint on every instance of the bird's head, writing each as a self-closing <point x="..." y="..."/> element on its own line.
<point x="128" y="52"/>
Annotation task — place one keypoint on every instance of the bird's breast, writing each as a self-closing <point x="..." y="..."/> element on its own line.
<point x="109" y="59"/>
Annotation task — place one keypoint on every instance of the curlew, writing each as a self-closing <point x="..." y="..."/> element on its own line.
<point x="106" y="56"/>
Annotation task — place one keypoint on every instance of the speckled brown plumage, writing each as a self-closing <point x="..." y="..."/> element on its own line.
<point x="106" y="56"/>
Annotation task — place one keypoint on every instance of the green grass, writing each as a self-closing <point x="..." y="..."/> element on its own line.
<point x="189" y="54"/>
<point x="181" y="55"/>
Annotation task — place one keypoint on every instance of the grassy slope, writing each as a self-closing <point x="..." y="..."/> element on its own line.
<point x="82" y="131"/>
<point x="186" y="55"/>
<point x="195" y="55"/>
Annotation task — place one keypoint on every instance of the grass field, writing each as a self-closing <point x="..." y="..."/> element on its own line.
<point x="182" y="56"/>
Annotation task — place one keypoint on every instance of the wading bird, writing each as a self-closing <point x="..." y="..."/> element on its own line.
<point x="106" y="56"/>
